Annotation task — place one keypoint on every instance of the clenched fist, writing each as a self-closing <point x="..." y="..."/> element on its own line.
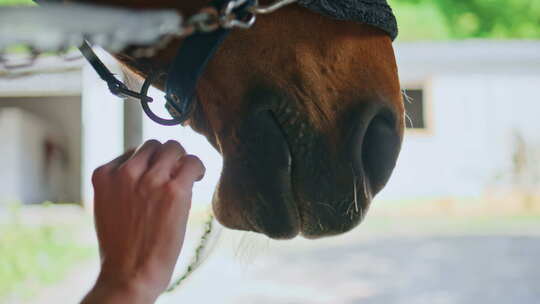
<point x="141" y="206"/>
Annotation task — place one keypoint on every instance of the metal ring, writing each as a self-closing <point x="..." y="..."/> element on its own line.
<point x="146" y="108"/>
<point x="258" y="9"/>
<point x="232" y="5"/>
<point x="229" y="19"/>
<point x="231" y="22"/>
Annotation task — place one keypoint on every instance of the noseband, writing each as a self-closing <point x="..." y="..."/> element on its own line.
<point x="206" y="32"/>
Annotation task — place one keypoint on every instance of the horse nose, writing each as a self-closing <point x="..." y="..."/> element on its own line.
<point x="376" y="146"/>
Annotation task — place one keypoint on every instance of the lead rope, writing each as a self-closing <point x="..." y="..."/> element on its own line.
<point x="201" y="253"/>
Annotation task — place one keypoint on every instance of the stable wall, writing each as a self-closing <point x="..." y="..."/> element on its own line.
<point x="478" y="96"/>
<point x="62" y="114"/>
<point x="474" y="122"/>
<point x="71" y="98"/>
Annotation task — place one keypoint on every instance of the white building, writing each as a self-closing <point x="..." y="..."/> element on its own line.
<point x="472" y="101"/>
<point x="58" y="122"/>
<point x="53" y="116"/>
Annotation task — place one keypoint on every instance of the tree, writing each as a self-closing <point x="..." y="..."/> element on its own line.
<point x="488" y="18"/>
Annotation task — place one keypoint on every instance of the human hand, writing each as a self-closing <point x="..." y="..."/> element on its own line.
<point x="141" y="205"/>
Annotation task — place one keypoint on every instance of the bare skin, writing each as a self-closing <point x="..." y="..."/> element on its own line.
<point x="142" y="202"/>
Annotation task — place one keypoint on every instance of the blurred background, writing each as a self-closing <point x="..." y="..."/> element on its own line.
<point x="459" y="221"/>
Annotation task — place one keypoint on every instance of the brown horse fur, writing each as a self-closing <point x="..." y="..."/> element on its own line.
<point x="307" y="113"/>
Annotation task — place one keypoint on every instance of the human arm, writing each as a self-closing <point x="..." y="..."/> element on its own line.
<point x="141" y="206"/>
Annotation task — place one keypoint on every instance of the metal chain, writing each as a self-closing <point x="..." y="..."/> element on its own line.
<point x="209" y="19"/>
<point x="263" y="10"/>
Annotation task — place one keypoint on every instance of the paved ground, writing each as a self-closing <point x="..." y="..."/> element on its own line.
<point x="386" y="261"/>
<point x="427" y="270"/>
<point x="383" y="269"/>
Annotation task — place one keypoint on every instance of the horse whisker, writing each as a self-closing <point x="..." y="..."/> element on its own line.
<point x="355" y="194"/>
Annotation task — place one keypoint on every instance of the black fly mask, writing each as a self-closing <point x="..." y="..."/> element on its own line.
<point x="373" y="12"/>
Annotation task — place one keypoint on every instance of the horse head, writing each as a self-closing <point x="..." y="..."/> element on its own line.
<point x="306" y="111"/>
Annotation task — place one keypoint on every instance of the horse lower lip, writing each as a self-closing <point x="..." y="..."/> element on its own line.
<point x="257" y="182"/>
<point x="273" y="161"/>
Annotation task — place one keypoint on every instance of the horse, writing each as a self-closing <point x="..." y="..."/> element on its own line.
<point x="305" y="109"/>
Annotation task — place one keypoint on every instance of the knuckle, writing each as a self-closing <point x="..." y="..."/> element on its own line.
<point x="172" y="142"/>
<point x="174" y="145"/>
<point x="152" y="142"/>
<point x="149" y="184"/>
<point x="170" y="190"/>
<point x="175" y="191"/>
<point x="127" y="172"/>
<point x="99" y="174"/>
<point x="149" y="145"/>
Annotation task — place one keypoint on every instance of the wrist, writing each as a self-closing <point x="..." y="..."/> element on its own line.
<point x="108" y="291"/>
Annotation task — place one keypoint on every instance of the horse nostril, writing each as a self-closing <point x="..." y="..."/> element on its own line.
<point x="377" y="149"/>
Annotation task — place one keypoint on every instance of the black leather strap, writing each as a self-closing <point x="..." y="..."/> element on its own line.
<point x="186" y="70"/>
<point x="190" y="63"/>
<point x="117" y="87"/>
<point x="184" y="73"/>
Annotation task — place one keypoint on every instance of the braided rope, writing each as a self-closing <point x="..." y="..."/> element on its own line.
<point x="198" y="257"/>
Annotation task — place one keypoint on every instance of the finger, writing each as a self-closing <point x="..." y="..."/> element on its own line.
<point x="161" y="168"/>
<point x="117" y="162"/>
<point x="138" y="163"/>
<point x="191" y="169"/>
<point x="175" y="217"/>
<point x="102" y="173"/>
<point x="165" y="160"/>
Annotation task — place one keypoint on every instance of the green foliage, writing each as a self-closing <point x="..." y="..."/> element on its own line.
<point x="34" y="256"/>
<point x="420" y="22"/>
<point x="486" y="18"/>
<point x="16" y="2"/>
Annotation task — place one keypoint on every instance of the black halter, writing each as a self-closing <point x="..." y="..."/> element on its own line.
<point x="197" y="50"/>
<point x="184" y="73"/>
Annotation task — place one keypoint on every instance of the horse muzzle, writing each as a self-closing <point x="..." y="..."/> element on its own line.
<point x="290" y="177"/>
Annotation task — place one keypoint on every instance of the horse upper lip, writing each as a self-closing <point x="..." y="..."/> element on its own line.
<point x="323" y="180"/>
<point x="256" y="183"/>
